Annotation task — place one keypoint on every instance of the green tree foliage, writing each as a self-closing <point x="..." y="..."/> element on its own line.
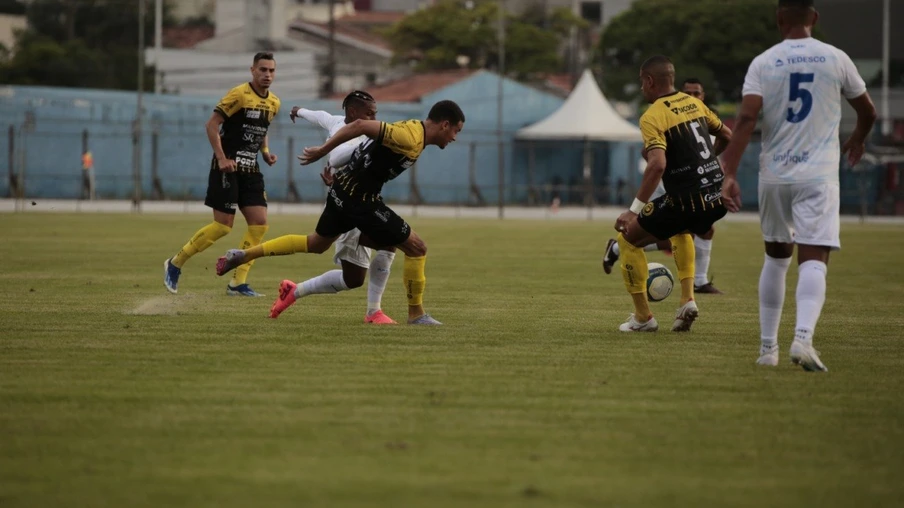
<point x="437" y="36"/>
<point x="714" y="40"/>
<point x="80" y="43"/>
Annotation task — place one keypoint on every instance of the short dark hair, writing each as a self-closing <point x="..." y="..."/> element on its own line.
<point x="805" y="4"/>
<point x="657" y="61"/>
<point x="446" y="111"/>
<point x="356" y="98"/>
<point x="692" y="81"/>
<point x="263" y="55"/>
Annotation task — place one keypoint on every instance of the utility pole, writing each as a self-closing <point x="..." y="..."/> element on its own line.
<point x="139" y="113"/>
<point x="158" y="45"/>
<point x="499" y="108"/>
<point x="886" y="57"/>
<point x="331" y="63"/>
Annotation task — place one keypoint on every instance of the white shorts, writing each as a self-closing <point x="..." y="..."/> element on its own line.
<point x="348" y="249"/>
<point x="660" y="191"/>
<point x="805" y="213"/>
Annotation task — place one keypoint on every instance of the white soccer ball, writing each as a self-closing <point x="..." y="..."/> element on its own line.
<point x="659" y="283"/>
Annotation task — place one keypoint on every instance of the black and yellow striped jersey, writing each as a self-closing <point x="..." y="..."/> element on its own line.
<point x="376" y="161"/>
<point x="247" y="117"/>
<point x="681" y="125"/>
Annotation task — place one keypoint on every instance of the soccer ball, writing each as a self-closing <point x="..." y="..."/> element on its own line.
<point x="659" y="283"/>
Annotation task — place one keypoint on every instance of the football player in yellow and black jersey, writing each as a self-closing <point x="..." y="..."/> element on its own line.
<point x="237" y="131"/>
<point x="677" y="146"/>
<point x="354" y="200"/>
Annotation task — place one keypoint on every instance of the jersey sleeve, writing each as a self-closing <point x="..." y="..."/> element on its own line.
<point x="713" y="122"/>
<point x="852" y="85"/>
<point x="753" y="83"/>
<point x="322" y="119"/>
<point x="405" y="137"/>
<point x="343" y="153"/>
<point x="230" y="103"/>
<point x="652" y="132"/>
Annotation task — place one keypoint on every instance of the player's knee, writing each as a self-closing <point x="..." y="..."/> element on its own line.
<point x="318" y="244"/>
<point x="353" y="276"/>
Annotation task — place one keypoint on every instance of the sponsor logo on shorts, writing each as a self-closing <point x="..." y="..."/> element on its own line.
<point x="335" y="197"/>
<point x="384" y="216"/>
<point x="229" y="206"/>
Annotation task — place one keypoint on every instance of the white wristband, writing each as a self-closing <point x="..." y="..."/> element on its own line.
<point x="637" y="206"/>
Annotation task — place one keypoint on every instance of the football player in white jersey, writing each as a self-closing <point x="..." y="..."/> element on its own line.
<point x="702" y="243"/>
<point x="798" y="85"/>
<point x="353" y="257"/>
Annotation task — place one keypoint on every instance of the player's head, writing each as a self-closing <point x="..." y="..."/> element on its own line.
<point x="795" y="14"/>
<point x="693" y="87"/>
<point x="657" y="77"/>
<point x="359" y="105"/>
<point x="263" y="70"/>
<point x="445" y="120"/>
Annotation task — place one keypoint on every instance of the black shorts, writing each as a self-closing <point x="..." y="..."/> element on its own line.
<point x="228" y="191"/>
<point x="376" y="220"/>
<point x="666" y="216"/>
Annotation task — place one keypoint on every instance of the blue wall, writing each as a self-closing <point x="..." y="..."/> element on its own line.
<point x="52" y="149"/>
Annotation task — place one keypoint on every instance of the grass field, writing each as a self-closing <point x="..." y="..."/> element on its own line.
<point x="115" y="393"/>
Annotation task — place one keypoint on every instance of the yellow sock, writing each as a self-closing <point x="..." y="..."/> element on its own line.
<point x="683" y="252"/>
<point x="635" y="274"/>
<point x="204" y="238"/>
<point x="414" y="279"/>
<point x="252" y="238"/>
<point x="281" y="246"/>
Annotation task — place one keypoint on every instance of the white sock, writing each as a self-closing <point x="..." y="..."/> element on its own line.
<point x="702" y="250"/>
<point x="326" y="283"/>
<point x="380" y="265"/>
<point x="772" y="297"/>
<point x="652" y="247"/>
<point x="616" y="250"/>
<point x="811" y="294"/>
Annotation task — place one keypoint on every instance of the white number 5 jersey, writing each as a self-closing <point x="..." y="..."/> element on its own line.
<point x="801" y="82"/>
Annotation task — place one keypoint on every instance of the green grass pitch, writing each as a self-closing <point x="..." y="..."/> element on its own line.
<point x="115" y="393"/>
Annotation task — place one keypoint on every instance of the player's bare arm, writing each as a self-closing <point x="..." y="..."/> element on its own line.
<point x="269" y="158"/>
<point x="723" y="137"/>
<point x="651" y="177"/>
<point x="369" y="128"/>
<point x="731" y="157"/>
<point x="866" y="117"/>
<point x="213" y="136"/>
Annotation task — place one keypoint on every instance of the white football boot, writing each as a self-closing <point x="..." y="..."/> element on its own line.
<point x="633" y="325"/>
<point x="768" y="355"/>
<point x="807" y="357"/>
<point x="685" y="317"/>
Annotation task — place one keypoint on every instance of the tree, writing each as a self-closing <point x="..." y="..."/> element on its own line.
<point x="81" y="43"/>
<point x="437" y="36"/>
<point x="713" y="40"/>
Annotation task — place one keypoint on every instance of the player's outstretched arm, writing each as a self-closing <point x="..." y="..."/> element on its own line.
<point x="866" y="118"/>
<point x="322" y="119"/>
<point x="731" y="157"/>
<point x="369" y="128"/>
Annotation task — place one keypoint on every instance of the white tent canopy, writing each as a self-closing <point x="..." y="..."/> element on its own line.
<point x="585" y="115"/>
